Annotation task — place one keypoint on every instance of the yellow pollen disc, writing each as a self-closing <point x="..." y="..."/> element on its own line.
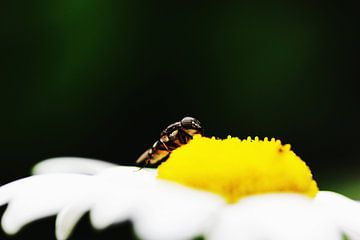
<point x="237" y="168"/>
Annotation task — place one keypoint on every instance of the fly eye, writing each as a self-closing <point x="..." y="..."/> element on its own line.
<point x="190" y="123"/>
<point x="186" y="122"/>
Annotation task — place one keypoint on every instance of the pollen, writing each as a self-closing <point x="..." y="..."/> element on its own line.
<point x="235" y="168"/>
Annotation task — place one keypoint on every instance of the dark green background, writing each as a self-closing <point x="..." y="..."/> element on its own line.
<point x="101" y="79"/>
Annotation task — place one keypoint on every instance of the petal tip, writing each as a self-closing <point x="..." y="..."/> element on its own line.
<point x="9" y="226"/>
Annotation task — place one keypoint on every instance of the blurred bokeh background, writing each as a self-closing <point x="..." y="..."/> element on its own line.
<point x="101" y="79"/>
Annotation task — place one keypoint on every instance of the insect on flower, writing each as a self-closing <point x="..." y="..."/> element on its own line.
<point x="219" y="189"/>
<point x="172" y="137"/>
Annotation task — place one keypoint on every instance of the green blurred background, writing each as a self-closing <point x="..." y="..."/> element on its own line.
<point x="101" y="79"/>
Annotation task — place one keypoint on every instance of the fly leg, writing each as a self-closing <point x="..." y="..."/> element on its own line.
<point x="164" y="145"/>
<point x="144" y="160"/>
<point x="184" y="137"/>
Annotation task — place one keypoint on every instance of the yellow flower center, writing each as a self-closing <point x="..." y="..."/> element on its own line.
<point x="237" y="168"/>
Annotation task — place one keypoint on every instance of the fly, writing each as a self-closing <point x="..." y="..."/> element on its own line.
<point x="172" y="137"/>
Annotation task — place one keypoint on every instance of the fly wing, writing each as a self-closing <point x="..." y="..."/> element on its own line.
<point x="143" y="157"/>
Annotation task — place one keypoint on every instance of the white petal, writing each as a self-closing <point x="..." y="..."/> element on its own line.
<point x="123" y="173"/>
<point x="342" y="210"/>
<point x="71" y="165"/>
<point x="274" y="217"/>
<point x="112" y="208"/>
<point x="69" y="216"/>
<point x="115" y="202"/>
<point x="39" y="196"/>
<point x="8" y="190"/>
<point x="172" y="211"/>
<point x="110" y="197"/>
<point x="158" y="209"/>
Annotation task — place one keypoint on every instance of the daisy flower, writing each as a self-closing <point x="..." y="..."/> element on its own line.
<point x="219" y="189"/>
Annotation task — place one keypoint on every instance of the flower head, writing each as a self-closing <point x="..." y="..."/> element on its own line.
<point x="221" y="189"/>
<point x="237" y="168"/>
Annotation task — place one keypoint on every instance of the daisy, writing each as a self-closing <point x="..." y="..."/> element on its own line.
<point x="219" y="189"/>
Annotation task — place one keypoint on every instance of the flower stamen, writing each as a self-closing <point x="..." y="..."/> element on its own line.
<point x="237" y="168"/>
